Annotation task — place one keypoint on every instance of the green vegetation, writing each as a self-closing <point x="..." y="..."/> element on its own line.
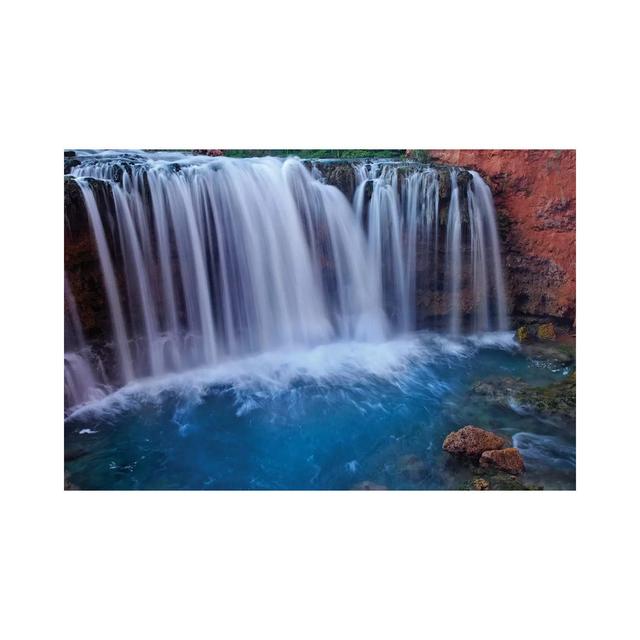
<point x="317" y="153"/>
<point x="419" y="155"/>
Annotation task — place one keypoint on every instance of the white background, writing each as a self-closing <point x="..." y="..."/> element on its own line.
<point x="545" y="74"/>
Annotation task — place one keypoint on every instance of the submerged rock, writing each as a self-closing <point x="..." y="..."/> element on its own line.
<point x="472" y="441"/>
<point x="413" y="467"/>
<point x="556" y="353"/>
<point x="367" y="485"/>
<point x="499" y="390"/>
<point x="492" y="479"/>
<point x="504" y="482"/>
<point x="558" y="398"/>
<point x="68" y="485"/>
<point x="508" y="460"/>
<point x="480" y="484"/>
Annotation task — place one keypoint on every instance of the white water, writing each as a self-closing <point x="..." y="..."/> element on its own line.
<point x="206" y="260"/>
<point x="80" y="382"/>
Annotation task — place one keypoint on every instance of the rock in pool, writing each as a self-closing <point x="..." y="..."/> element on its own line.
<point x="508" y="460"/>
<point x="472" y="441"/>
<point x="480" y="484"/>
<point x="413" y="467"/>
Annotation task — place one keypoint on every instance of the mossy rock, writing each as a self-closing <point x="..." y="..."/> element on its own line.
<point x="558" y="398"/>
<point x="561" y="354"/>
<point x="546" y="332"/>
<point x="497" y="482"/>
<point x="480" y="484"/>
<point x="522" y="334"/>
<point x="504" y="482"/>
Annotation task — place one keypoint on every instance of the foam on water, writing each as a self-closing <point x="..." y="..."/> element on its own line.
<point x="349" y="363"/>
<point x="272" y="373"/>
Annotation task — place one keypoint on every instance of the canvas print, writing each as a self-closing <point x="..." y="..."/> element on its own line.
<point x="319" y="319"/>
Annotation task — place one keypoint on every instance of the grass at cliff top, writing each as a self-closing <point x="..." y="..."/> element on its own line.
<point x="316" y="153"/>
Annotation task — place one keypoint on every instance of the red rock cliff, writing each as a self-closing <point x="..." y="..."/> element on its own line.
<point x="535" y="196"/>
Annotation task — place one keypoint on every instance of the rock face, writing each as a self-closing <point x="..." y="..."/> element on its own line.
<point x="535" y="196"/>
<point x="472" y="441"/>
<point x="340" y="175"/>
<point x="508" y="460"/>
<point x="82" y="265"/>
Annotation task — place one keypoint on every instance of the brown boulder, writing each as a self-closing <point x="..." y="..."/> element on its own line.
<point x="472" y="441"/>
<point x="508" y="460"/>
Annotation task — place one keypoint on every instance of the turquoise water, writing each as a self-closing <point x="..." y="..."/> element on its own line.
<point x="325" y="418"/>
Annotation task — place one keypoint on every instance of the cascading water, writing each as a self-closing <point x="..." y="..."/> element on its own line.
<point x="209" y="259"/>
<point x="80" y="382"/>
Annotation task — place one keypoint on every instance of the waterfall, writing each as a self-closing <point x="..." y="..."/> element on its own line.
<point x="80" y="382"/>
<point x="207" y="259"/>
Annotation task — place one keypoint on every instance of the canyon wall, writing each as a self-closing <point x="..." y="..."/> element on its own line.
<point x="535" y="197"/>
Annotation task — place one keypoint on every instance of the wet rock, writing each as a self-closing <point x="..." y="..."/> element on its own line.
<point x="560" y="354"/>
<point x="480" y="484"/>
<point x="413" y="467"/>
<point x="367" y="485"/>
<point x="546" y="332"/>
<point x="558" y="398"/>
<point x="472" y="441"/>
<point x="463" y="179"/>
<point x="68" y="485"/>
<point x="508" y="460"/>
<point x="522" y="334"/>
<point x="341" y="175"/>
<point x="500" y="390"/>
<point x="493" y="479"/>
<point x="504" y="482"/>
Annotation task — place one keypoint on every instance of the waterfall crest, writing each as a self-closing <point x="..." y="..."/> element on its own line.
<point x="206" y="259"/>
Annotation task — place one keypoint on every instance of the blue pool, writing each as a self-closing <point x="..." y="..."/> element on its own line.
<point x="330" y="417"/>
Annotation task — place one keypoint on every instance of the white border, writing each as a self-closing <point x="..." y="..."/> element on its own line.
<point x="335" y="74"/>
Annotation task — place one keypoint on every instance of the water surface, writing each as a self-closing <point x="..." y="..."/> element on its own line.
<point x="323" y="418"/>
